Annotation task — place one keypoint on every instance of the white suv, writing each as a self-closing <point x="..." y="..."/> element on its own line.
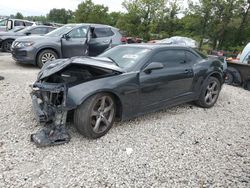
<point x="8" y="24"/>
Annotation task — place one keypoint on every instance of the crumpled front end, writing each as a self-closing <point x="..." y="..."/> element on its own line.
<point x="53" y="94"/>
<point x="49" y="101"/>
<point x="49" y="106"/>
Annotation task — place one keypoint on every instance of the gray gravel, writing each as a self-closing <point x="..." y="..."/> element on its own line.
<point x="184" y="146"/>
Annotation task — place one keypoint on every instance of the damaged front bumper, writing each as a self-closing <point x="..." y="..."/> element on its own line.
<point x="49" y="106"/>
<point x="49" y="102"/>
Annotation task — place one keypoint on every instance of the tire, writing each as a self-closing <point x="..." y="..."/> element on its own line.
<point x="44" y="56"/>
<point x="209" y="93"/>
<point x="90" y="118"/>
<point x="6" y="45"/>
<point x="233" y="77"/>
<point x="229" y="78"/>
<point x="247" y="85"/>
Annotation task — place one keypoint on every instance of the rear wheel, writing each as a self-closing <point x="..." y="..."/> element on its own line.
<point x="209" y="93"/>
<point x="229" y="78"/>
<point x="233" y="77"/>
<point x="44" y="56"/>
<point x="6" y="45"/>
<point x="96" y="115"/>
<point x="247" y="85"/>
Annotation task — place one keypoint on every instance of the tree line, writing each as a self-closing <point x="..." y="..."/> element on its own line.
<point x="215" y="24"/>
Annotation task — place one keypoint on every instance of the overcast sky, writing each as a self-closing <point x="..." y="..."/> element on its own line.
<point x="42" y="7"/>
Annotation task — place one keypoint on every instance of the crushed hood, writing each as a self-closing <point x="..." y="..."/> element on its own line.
<point x="57" y="65"/>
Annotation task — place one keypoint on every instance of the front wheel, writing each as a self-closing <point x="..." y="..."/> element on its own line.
<point x="209" y="93"/>
<point x="6" y="45"/>
<point x="44" y="56"/>
<point x="96" y="115"/>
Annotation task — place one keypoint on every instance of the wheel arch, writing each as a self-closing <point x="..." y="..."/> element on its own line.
<point x="217" y="75"/>
<point x="237" y="77"/>
<point x="47" y="48"/>
<point x="8" y="39"/>
<point x="118" y="101"/>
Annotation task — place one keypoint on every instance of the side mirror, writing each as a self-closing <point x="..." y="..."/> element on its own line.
<point x="66" y="36"/>
<point x="9" y="25"/>
<point x="27" y="33"/>
<point x="153" y="66"/>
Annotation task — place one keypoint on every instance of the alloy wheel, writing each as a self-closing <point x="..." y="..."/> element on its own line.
<point x="7" y="46"/>
<point x="102" y="114"/>
<point x="212" y="92"/>
<point x="48" y="57"/>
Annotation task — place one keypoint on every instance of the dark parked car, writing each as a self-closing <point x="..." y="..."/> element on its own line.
<point x="124" y="82"/>
<point x="68" y="41"/>
<point x="7" y="39"/>
<point x="14" y="30"/>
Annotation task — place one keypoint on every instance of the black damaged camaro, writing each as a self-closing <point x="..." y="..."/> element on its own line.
<point x="124" y="82"/>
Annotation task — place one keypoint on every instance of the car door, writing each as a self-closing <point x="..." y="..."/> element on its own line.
<point x="101" y="40"/>
<point x="75" y="42"/>
<point x="173" y="81"/>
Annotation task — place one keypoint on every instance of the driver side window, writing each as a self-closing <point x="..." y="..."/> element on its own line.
<point x="169" y="57"/>
<point x="78" y="33"/>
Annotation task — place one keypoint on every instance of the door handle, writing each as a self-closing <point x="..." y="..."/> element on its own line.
<point x="105" y="41"/>
<point x="187" y="71"/>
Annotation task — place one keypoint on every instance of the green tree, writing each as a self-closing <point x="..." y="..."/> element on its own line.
<point x="114" y="17"/>
<point x="42" y="19"/>
<point x="141" y="17"/>
<point x="19" y="15"/>
<point x="243" y="13"/>
<point x="60" y="15"/>
<point x="88" y="12"/>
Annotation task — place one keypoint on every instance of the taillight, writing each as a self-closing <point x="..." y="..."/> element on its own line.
<point x="124" y="40"/>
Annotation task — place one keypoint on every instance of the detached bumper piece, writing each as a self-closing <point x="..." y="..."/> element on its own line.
<point x="48" y="102"/>
<point x="51" y="135"/>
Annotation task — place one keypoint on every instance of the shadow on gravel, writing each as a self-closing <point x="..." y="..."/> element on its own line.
<point x="4" y="53"/>
<point x="26" y="66"/>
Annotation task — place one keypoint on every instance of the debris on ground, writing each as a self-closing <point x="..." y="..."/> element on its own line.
<point x="51" y="135"/>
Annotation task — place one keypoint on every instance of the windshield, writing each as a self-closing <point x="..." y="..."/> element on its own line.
<point x="26" y="29"/>
<point x="3" y="22"/>
<point x="60" y="31"/>
<point x="126" y="56"/>
<point x="16" y="29"/>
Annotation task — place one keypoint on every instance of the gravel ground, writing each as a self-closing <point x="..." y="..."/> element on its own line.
<point x="184" y="146"/>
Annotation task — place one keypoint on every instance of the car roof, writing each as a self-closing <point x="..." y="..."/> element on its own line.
<point x="35" y="26"/>
<point x="157" y="46"/>
<point x="19" y="20"/>
<point x="90" y="24"/>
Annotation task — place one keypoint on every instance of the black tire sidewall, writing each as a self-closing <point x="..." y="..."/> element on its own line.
<point x="82" y="116"/>
<point x="247" y="85"/>
<point x="40" y="55"/>
<point x="231" y="76"/>
<point x="3" y="44"/>
<point x="201" y="102"/>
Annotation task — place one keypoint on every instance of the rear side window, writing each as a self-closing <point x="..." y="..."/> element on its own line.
<point x="50" y="29"/>
<point x="39" y="31"/>
<point x="169" y="57"/>
<point x="18" y="23"/>
<point x="102" y="32"/>
<point x="191" y="58"/>
<point x="28" y="23"/>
